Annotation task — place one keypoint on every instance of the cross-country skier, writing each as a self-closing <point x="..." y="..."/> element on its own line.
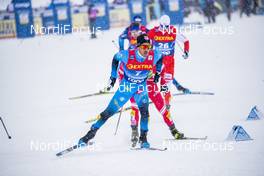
<point x="164" y="38"/>
<point x="155" y="96"/>
<point x="138" y="64"/>
<point x="159" y="102"/>
<point x="131" y="33"/>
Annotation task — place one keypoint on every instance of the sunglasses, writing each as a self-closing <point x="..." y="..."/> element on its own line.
<point x="145" y="46"/>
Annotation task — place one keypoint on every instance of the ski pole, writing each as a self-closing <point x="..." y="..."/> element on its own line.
<point x="179" y="46"/>
<point x="9" y="137"/>
<point x="194" y="93"/>
<point x="121" y="110"/>
<point x="90" y="95"/>
<point x="118" y="121"/>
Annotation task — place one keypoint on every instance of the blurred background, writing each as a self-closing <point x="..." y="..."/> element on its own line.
<point x="17" y="16"/>
<point x="39" y="72"/>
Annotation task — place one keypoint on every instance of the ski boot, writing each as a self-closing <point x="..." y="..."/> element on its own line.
<point x="175" y="133"/>
<point x="134" y="136"/>
<point x="93" y="36"/>
<point x="84" y="140"/>
<point x="143" y="140"/>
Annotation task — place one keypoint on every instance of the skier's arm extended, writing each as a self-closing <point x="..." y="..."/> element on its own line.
<point x="118" y="57"/>
<point x="121" y="56"/>
<point x="182" y="39"/>
<point x="158" y="62"/>
<point x="180" y="87"/>
<point x="175" y="83"/>
<point x="121" y="39"/>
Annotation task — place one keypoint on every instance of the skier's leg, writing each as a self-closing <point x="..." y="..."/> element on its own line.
<point x="143" y="103"/>
<point x="134" y="121"/>
<point x="159" y="103"/>
<point x="157" y="99"/>
<point x="167" y="77"/>
<point x="134" y="112"/>
<point x="119" y="99"/>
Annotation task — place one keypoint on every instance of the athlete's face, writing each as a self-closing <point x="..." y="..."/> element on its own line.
<point x="135" y="33"/>
<point x="144" y="49"/>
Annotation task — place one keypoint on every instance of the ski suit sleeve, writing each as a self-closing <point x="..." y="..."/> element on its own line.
<point x="176" y="83"/>
<point x="121" y="56"/>
<point x="158" y="60"/>
<point x="151" y="33"/>
<point x="182" y="39"/>
<point x="121" y="39"/>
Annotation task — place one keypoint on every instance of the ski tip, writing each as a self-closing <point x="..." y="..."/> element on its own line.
<point x="150" y="148"/>
<point x="59" y="154"/>
<point x="73" y="98"/>
<point x="187" y="138"/>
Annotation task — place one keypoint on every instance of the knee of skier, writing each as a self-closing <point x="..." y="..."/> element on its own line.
<point x="144" y="111"/>
<point x="144" y="117"/>
<point x="106" y="114"/>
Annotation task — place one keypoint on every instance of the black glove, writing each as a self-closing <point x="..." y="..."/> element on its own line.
<point x="111" y="83"/>
<point x="164" y="88"/>
<point x="156" y="77"/>
<point x="185" y="55"/>
<point x="183" y="89"/>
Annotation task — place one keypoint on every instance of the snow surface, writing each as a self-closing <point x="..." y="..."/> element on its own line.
<point x="39" y="75"/>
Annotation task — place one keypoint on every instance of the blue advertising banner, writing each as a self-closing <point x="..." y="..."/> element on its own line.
<point x="137" y="7"/>
<point x="23" y="18"/>
<point x="102" y="18"/>
<point x="62" y="16"/>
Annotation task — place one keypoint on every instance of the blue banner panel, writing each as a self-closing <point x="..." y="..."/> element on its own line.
<point x="23" y="18"/>
<point x="102" y="20"/>
<point x="137" y="7"/>
<point x="62" y="16"/>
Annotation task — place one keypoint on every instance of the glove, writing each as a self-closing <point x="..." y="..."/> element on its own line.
<point x="185" y="55"/>
<point x="184" y="90"/>
<point x="164" y="88"/>
<point x="156" y="77"/>
<point x="110" y="84"/>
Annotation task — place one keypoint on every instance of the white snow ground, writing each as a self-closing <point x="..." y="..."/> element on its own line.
<point x="39" y="75"/>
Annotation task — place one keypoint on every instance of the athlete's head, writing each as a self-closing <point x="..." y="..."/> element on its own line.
<point x="144" y="44"/>
<point x="164" y="21"/>
<point x="137" y="19"/>
<point x="135" y="30"/>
